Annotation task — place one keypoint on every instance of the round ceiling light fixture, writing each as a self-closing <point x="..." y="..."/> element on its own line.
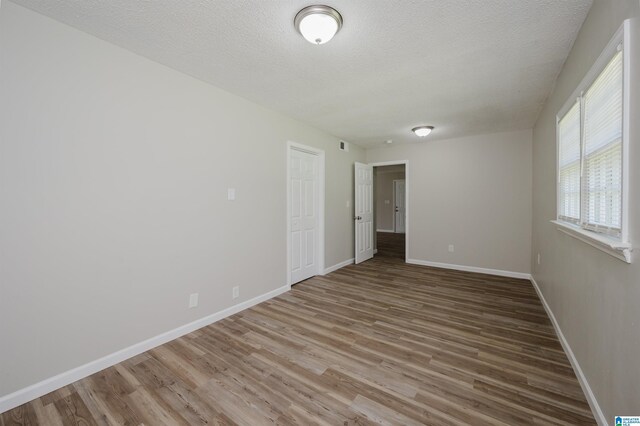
<point x="318" y="24"/>
<point x="422" y="131"/>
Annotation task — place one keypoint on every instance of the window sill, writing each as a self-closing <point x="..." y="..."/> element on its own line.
<point x="607" y="244"/>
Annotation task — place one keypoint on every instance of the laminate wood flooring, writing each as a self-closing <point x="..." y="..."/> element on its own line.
<point x="390" y="244"/>
<point x="382" y="342"/>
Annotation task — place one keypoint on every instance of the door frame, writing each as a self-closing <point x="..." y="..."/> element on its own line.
<point x="405" y="204"/>
<point x="294" y="146"/>
<point x="406" y="199"/>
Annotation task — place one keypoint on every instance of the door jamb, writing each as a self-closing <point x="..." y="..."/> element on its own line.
<point x="293" y="146"/>
<point x="406" y="199"/>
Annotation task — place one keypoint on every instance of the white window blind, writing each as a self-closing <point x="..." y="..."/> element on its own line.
<point x="569" y="165"/>
<point x="602" y="151"/>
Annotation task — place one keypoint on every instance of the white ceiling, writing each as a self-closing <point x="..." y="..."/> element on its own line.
<point x="465" y="67"/>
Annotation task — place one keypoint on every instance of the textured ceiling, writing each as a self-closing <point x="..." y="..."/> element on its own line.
<point x="465" y="67"/>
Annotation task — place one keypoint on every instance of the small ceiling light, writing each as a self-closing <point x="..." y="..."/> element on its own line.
<point x="388" y="141"/>
<point x="318" y="24"/>
<point x="422" y="131"/>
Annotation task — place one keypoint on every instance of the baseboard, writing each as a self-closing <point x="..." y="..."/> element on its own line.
<point x="375" y="251"/>
<point x="338" y="266"/>
<point x="385" y="230"/>
<point x="39" y="389"/>
<point x="588" y="393"/>
<point x="499" y="272"/>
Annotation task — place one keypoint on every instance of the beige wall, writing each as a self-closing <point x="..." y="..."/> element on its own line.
<point x="474" y="193"/>
<point x="113" y="181"/>
<point x="384" y="191"/>
<point x="594" y="296"/>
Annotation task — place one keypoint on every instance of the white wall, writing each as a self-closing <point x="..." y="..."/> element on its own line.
<point x="474" y="193"/>
<point x="384" y="213"/>
<point x="113" y="180"/>
<point x="594" y="296"/>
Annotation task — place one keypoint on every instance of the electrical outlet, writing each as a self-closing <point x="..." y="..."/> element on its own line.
<point x="193" y="300"/>
<point x="538" y="258"/>
<point x="236" y="292"/>
<point x="451" y="248"/>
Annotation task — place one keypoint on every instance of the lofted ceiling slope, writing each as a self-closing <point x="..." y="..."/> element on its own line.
<point x="465" y="67"/>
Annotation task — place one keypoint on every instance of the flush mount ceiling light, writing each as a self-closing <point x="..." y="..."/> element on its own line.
<point x="318" y="24"/>
<point x="422" y="131"/>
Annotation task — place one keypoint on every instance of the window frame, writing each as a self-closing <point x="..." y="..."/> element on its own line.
<point x="617" y="246"/>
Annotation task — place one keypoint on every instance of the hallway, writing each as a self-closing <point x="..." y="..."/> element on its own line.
<point x="390" y="245"/>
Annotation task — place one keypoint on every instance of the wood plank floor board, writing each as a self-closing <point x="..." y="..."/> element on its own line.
<point x="382" y="342"/>
<point x="74" y="411"/>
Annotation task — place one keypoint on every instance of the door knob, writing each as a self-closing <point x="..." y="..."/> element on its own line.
<point x="358" y="218"/>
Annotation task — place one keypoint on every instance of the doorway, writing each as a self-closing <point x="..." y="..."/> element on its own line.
<point x="390" y="213"/>
<point x="305" y="212"/>
<point x="381" y="210"/>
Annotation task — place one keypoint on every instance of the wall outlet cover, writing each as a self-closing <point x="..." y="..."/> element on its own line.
<point x="193" y="300"/>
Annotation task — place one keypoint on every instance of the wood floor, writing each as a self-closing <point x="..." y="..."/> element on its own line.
<point x="390" y="244"/>
<point x="378" y="343"/>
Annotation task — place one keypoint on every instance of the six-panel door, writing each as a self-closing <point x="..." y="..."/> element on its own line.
<point x="304" y="187"/>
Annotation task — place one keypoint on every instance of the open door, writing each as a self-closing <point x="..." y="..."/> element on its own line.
<point x="364" y="212"/>
<point x="398" y="200"/>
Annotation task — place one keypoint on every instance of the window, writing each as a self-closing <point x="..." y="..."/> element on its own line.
<point x="569" y="165"/>
<point x="590" y="155"/>
<point x="592" y="138"/>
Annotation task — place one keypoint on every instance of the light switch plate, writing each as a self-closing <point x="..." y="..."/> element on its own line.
<point x="193" y="300"/>
<point x="231" y="194"/>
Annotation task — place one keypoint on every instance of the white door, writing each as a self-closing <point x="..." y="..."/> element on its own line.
<point x="364" y="212"/>
<point x="304" y="220"/>
<point x="398" y="197"/>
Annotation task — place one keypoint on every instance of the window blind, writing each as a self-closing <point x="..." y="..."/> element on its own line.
<point x="569" y="165"/>
<point x="602" y="151"/>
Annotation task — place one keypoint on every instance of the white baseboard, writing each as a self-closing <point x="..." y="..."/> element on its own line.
<point x="338" y="266"/>
<point x="39" y="389"/>
<point x="375" y="251"/>
<point x="591" y="398"/>
<point x="499" y="272"/>
<point x="385" y="230"/>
